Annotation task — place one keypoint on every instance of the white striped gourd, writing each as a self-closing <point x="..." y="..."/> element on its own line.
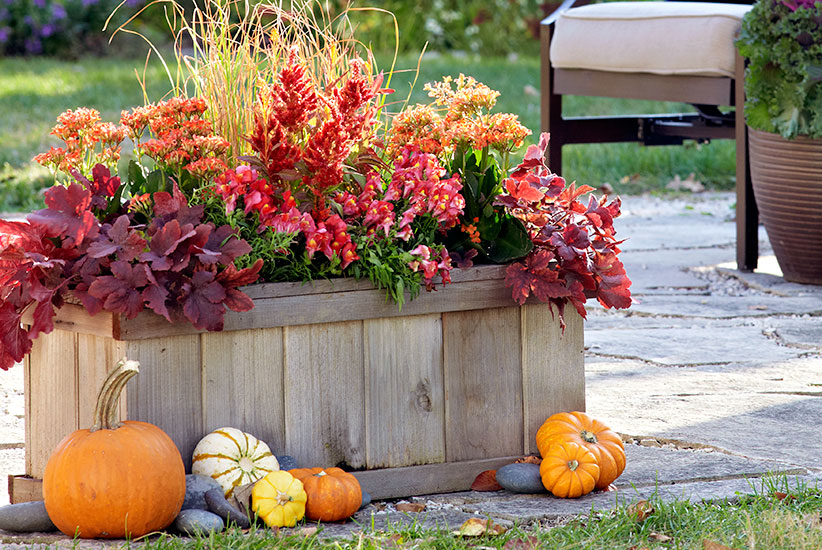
<point x="232" y="458"/>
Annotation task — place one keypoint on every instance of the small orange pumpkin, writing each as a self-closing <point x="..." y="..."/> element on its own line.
<point x="333" y="494"/>
<point x="578" y="427"/>
<point x="115" y="479"/>
<point x="569" y="470"/>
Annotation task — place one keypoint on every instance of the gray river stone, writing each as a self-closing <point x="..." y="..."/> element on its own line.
<point x="198" y="522"/>
<point x="521" y="478"/>
<point x="26" y="517"/>
<point x="196" y="488"/>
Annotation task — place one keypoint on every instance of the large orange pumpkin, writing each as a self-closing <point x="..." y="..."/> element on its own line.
<point x="114" y="479"/>
<point x="333" y="494"/>
<point x="569" y="470"/>
<point x="578" y="427"/>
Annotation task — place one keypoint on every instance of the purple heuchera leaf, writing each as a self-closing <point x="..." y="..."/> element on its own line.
<point x="118" y="238"/>
<point x="203" y="306"/>
<point x="163" y="245"/>
<point x="67" y="214"/>
<point x="121" y="292"/>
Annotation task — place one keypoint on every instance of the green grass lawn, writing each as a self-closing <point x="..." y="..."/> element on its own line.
<point x="34" y="91"/>
<point x="767" y="520"/>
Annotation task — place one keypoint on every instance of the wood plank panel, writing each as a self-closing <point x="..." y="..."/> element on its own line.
<point x="427" y="479"/>
<point x="553" y="367"/>
<point x="274" y="290"/>
<point x="404" y="400"/>
<point x="483" y="384"/>
<point x="52" y="384"/>
<point x="24" y="489"/>
<point x="96" y="357"/>
<point x="332" y="307"/>
<point x="168" y="390"/>
<point x="75" y="318"/>
<point x="243" y="383"/>
<point x="324" y="394"/>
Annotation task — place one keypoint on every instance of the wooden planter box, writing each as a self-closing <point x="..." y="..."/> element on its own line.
<point x="419" y="400"/>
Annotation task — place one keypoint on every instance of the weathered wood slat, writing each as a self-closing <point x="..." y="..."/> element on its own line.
<point x="288" y="304"/>
<point x="96" y="356"/>
<point x="24" y="489"/>
<point x="52" y="378"/>
<point x="403" y="376"/>
<point x="276" y="290"/>
<point x="380" y="484"/>
<point x="168" y="390"/>
<point x="553" y="370"/>
<point x="243" y="383"/>
<point x="74" y="318"/>
<point x="483" y="384"/>
<point x="427" y="479"/>
<point x="324" y="394"/>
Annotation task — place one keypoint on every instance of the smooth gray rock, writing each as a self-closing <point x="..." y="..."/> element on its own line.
<point x="26" y="517"/>
<point x="521" y="478"/>
<point x="196" y="488"/>
<point x="366" y="500"/>
<point x="217" y="503"/>
<point x="194" y="522"/>
<point x="287" y="462"/>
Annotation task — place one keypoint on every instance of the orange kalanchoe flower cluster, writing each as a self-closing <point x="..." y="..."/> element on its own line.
<point x="82" y="131"/>
<point x="183" y="139"/>
<point x="465" y="122"/>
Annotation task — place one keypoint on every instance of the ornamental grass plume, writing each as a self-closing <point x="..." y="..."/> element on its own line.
<point x="230" y="52"/>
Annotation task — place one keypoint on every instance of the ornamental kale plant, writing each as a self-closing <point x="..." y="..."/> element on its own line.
<point x="782" y="40"/>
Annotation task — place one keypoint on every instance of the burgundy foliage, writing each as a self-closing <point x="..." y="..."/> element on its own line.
<point x="176" y="266"/>
<point x="575" y="248"/>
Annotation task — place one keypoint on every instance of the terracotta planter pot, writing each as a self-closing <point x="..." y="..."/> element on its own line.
<point x="787" y="183"/>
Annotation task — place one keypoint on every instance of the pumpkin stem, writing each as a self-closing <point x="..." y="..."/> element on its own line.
<point x="588" y="437"/>
<point x="105" y="411"/>
<point x="573" y="465"/>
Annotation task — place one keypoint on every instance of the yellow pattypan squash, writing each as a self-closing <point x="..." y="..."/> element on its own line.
<point x="279" y="499"/>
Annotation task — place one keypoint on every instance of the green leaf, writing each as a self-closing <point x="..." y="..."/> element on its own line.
<point x="512" y="242"/>
<point x="135" y="175"/>
<point x="156" y="181"/>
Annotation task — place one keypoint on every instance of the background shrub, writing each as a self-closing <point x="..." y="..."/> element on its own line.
<point x="67" y="28"/>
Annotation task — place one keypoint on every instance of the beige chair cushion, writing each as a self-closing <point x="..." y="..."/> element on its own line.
<point x="670" y="38"/>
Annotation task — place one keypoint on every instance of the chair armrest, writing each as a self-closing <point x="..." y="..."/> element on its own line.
<point x="566" y="4"/>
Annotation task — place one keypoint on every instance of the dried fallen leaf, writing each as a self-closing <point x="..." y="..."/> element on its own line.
<point x="413" y="507"/>
<point x="610" y="488"/>
<point x="640" y="510"/>
<point x="529" y="543"/>
<point x="659" y="537"/>
<point x="476" y="527"/>
<point x="711" y="545"/>
<point x="486" y="481"/>
<point x="780" y="496"/>
<point x="309" y="531"/>
<point x="688" y="184"/>
<point x="530" y="459"/>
